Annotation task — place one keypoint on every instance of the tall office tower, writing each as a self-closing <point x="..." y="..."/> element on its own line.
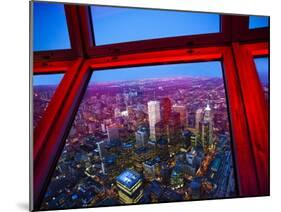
<point x="191" y="119"/>
<point x="166" y="109"/>
<point x="204" y="132"/>
<point x="181" y="109"/>
<point x="161" y="130"/>
<point x="208" y="116"/>
<point x="112" y="132"/>
<point x="208" y="113"/>
<point x="198" y="117"/>
<point x="174" y="129"/>
<point x="101" y="149"/>
<point x="129" y="185"/>
<point x="154" y="117"/>
<point x="141" y="137"/>
<point x="162" y="148"/>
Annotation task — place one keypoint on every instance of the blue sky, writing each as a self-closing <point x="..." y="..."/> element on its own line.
<point x="258" y="22"/>
<point x="116" y="25"/>
<point x="47" y="79"/>
<point x="262" y="68"/>
<point x="113" y="25"/>
<point x="50" y="27"/>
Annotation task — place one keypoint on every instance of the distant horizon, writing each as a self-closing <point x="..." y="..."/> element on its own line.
<point x="148" y="79"/>
<point x="151" y="79"/>
<point x="199" y="69"/>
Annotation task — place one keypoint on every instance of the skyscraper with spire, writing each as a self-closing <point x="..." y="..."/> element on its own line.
<point x="206" y="127"/>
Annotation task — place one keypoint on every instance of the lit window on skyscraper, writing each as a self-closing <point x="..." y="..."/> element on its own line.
<point x="147" y="134"/>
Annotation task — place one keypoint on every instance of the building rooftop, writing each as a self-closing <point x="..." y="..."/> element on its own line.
<point x="128" y="178"/>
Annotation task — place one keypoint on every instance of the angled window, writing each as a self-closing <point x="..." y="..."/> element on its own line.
<point x="117" y="25"/>
<point x="262" y="67"/>
<point x="258" y="22"/>
<point x="173" y="117"/>
<point x="50" y="30"/>
<point x="44" y="87"/>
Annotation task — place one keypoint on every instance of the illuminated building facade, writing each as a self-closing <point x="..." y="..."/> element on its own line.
<point x="129" y="185"/>
<point x="154" y="117"/>
<point x="181" y="109"/>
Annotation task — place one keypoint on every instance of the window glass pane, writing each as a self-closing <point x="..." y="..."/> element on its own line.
<point x="117" y="25"/>
<point x="162" y="129"/>
<point x="44" y="87"/>
<point x="258" y="22"/>
<point x="262" y="69"/>
<point x="50" y="27"/>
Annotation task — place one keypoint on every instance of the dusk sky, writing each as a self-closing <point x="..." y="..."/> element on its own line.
<point x="113" y="25"/>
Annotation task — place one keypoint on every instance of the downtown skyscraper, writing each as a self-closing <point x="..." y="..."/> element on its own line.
<point x="154" y="117"/>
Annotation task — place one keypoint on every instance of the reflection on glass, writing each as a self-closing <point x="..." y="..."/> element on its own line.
<point x="117" y="25"/>
<point x="44" y="87"/>
<point x="50" y="27"/>
<point x="262" y="69"/>
<point x="147" y="134"/>
<point x="258" y="22"/>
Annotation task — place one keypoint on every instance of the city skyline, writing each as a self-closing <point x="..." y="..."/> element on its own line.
<point x="153" y="134"/>
<point x="148" y="133"/>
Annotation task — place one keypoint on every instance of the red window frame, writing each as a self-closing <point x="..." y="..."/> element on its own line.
<point x="256" y="107"/>
<point x="235" y="46"/>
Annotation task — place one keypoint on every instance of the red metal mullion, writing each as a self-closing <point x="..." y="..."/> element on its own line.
<point x="241" y="31"/>
<point x="257" y="49"/>
<point x="45" y="124"/>
<point x="54" y="140"/>
<point x="226" y="27"/>
<point x="239" y="27"/>
<point x="54" y="55"/>
<point x="256" y="113"/>
<point x="51" y="67"/>
<point x="244" y="158"/>
<point x="158" y="57"/>
<point x="86" y="28"/>
<point x="76" y="50"/>
<point x="73" y="23"/>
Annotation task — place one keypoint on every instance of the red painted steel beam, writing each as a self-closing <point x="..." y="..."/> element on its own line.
<point x="256" y="108"/>
<point x="51" y="67"/>
<point x="158" y="57"/>
<point x="48" y="136"/>
<point x="244" y="157"/>
<point x="45" y="125"/>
